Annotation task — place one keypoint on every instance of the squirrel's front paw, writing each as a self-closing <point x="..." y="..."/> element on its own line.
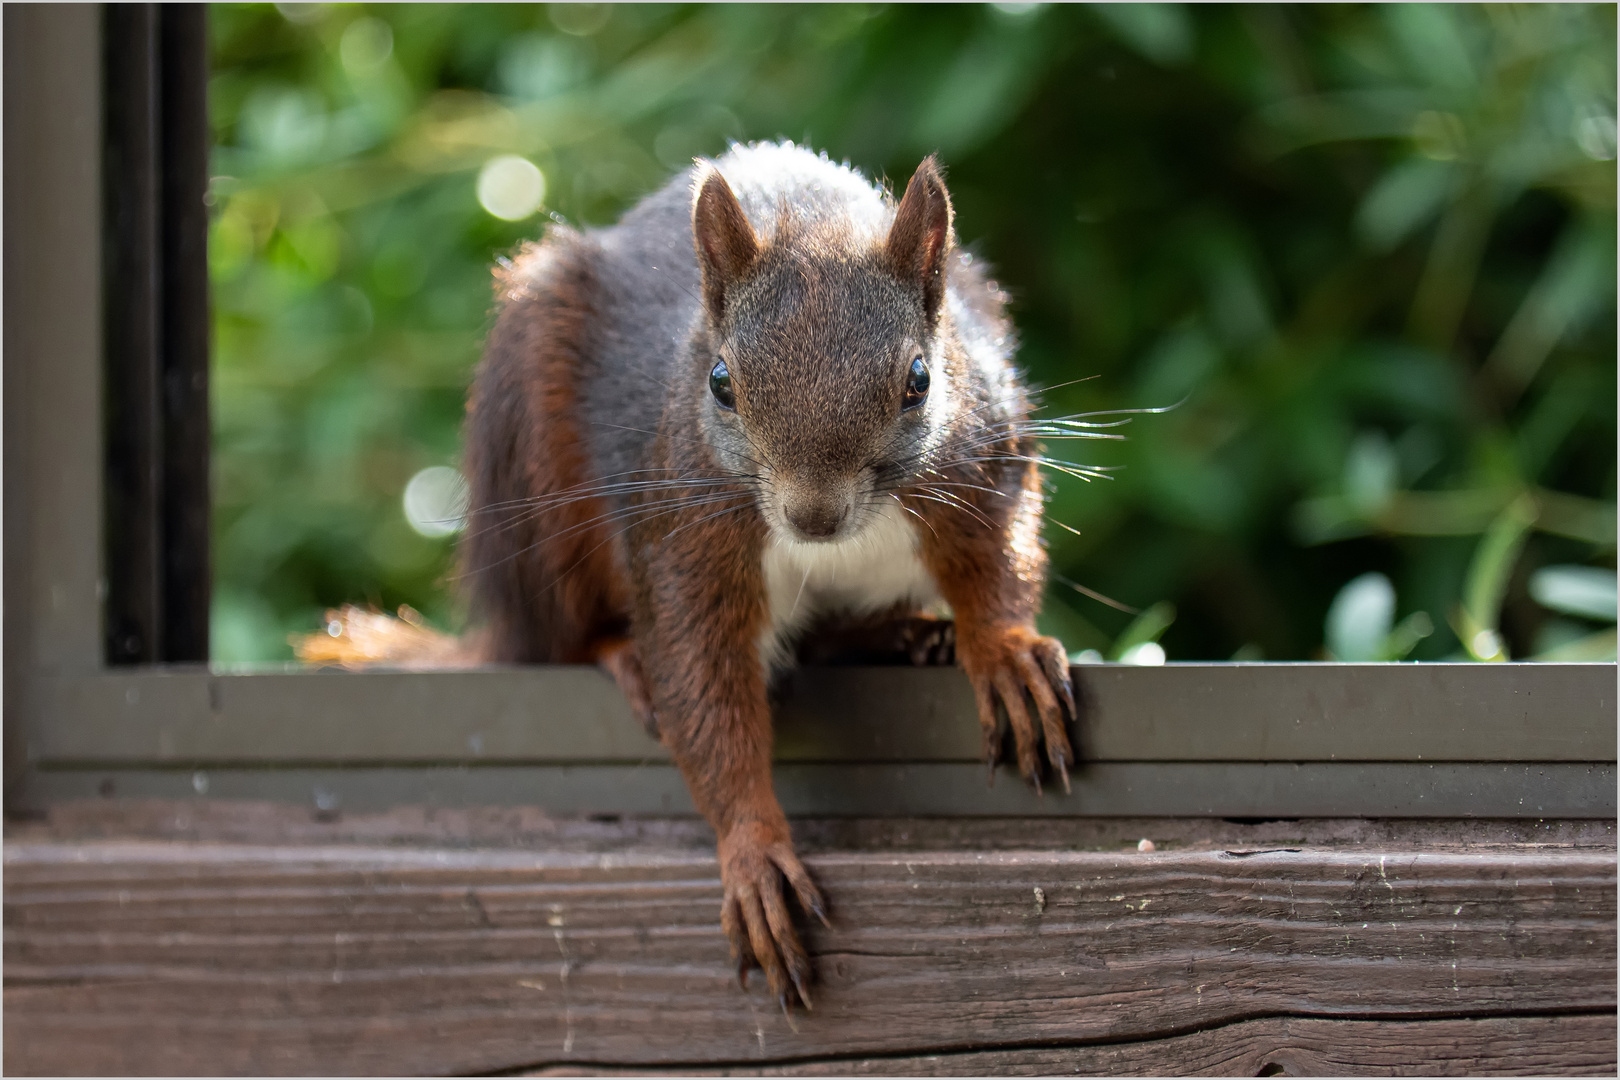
<point x="1006" y="663"/>
<point x="754" y="860"/>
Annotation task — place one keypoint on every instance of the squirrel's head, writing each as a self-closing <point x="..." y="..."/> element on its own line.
<point x="827" y="368"/>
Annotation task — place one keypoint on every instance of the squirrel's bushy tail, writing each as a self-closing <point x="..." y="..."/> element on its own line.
<point x="356" y="638"/>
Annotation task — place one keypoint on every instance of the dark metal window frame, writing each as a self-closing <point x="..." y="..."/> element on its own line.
<point x="155" y="324"/>
<point x="106" y="575"/>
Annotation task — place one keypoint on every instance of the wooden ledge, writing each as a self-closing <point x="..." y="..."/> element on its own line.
<point x="600" y="951"/>
<point x="1274" y="1046"/>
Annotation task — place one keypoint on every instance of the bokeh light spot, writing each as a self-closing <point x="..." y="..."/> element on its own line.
<point x="1146" y="654"/>
<point x="1595" y="134"/>
<point x="436" y="501"/>
<point x="366" y="45"/>
<point x="1360" y="618"/>
<point x="511" y="187"/>
<point x="1487" y="644"/>
<point x="581" y="20"/>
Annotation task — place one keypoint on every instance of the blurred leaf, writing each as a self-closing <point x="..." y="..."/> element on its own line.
<point x="1488" y="574"/>
<point x="1597" y="648"/>
<point x="1453" y="264"/>
<point x="989" y="80"/>
<point x="1406" y="635"/>
<point x="1360" y="618"/>
<point x="1405" y="198"/>
<point x="1361" y="623"/>
<point x="1237" y="299"/>
<point x="1415" y="383"/>
<point x="1575" y="282"/>
<point x="1371" y="471"/>
<point x="1059" y="619"/>
<point x="1587" y="591"/>
<point x="1177" y="366"/>
<point x="1586" y="520"/>
<point x="1147" y="627"/>
<point x="1160" y="32"/>
<point x="1339" y="116"/>
<point x="1144" y="654"/>
<point x="1435" y="42"/>
<point x="1565" y="400"/>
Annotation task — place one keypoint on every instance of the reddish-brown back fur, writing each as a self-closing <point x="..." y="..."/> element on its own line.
<point x="545" y="578"/>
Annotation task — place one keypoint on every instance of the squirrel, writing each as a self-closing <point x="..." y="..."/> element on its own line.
<point x="769" y="395"/>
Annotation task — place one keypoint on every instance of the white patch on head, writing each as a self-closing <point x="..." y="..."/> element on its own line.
<point x="876" y="568"/>
<point x="761" y="173"/>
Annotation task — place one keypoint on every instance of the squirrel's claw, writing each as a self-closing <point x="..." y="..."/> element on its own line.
<point x="1010" y="688"/>
<point x="989" y="724"/>
<point x="804" y="888"/>
<point x="731" y="925"/>
<point x="1027" y="676"/>
<point x="754" y="913"/>
<point x="798" y="984"/>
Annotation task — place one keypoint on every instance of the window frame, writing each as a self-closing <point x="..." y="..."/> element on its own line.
<point x="155" y="319"/>
<point x="1230" y="740"/>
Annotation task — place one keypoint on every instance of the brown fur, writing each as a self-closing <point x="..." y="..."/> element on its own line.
<point x="991" y="570"/>
<point x="548" y="581"/>
<point x="819" y="308"/>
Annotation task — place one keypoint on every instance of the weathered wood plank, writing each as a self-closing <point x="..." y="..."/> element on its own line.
<point x="1581" y="1045"/>
<point x="528" y="827"/>
<point x="143" y="957"/>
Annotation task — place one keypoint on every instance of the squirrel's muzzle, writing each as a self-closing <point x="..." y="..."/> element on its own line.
<point x="816" y="518"/>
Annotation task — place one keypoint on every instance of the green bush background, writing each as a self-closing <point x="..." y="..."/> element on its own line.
<point x="1370" y="250"/>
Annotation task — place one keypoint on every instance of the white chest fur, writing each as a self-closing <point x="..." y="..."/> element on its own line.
<point x="874" y="569"/>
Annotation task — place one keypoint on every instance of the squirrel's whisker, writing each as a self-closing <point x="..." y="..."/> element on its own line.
<point x="610" y="517"/>
<point x="1094" y="594"/>
<point x="584" y="490"/>
<point x="515" y="520"/>
<point x="902" y="504"/>
<point x="706" y="517"/>
<point x="679" y="438"/>
<point x="620" y="532"/>
<point x="519" y="513"/>
<point x="962" y="504"/>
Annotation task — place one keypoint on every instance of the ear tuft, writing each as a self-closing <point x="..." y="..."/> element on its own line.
<point x="921" y="237"/>
<point x="726" y="245"/>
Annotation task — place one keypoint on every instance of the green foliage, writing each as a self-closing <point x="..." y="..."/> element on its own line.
<point x="1369" y="251"/>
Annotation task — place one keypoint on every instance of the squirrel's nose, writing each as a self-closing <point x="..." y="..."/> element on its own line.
<point x="816" y="519"/>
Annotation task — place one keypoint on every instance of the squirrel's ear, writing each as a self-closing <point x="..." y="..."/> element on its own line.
<point x="726" y="245"/>
<point x="920" y="237"/>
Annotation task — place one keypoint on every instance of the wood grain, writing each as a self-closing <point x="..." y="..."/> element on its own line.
<point x="1274" y="1046"/>
<point x="244" y="821"/>
<point x="163" y="957"/>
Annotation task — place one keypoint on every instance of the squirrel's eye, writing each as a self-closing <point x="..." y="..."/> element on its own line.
<point x="916" y="385"/>
<point x="720" y="386"/>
